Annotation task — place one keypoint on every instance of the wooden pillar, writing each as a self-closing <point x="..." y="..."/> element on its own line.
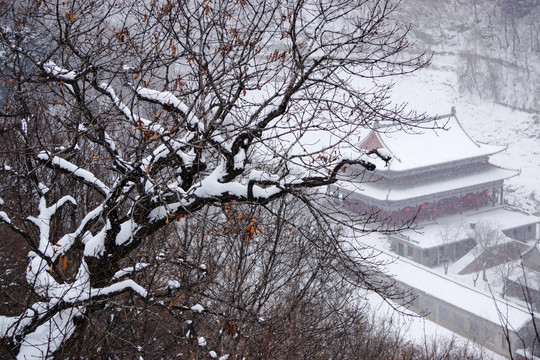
<point x="502" y="202"/>
<point x="461" y="204"/>
<point x="494" y="196"/>
<point x="477" y="204"/>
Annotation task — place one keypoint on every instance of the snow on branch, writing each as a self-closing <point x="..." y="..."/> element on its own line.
<point x="14" y="325"/>
<point x="9" y="170"/>
<point x="65" y="242"/>
<point x="173" y="148"/>
<point x="45" y="339"/>
<point x="94" y="245"/>
<point x="7" y="325"/>
<point x="129" y="270"/>
<point x="59" y="72"/>
<point x="77" y="292"/>
<point x="5" y="218"/>
<point x="86" y="176"/>
<point x="169" y="101"/>
<point x="127" y="229"/>
<point x="49" y="336"/>
<point x="64" y="75"/>
<point x="57" y="326"/>
<point x="119" y="287"/>
<point x="124" y="109"/>
<point x="43" y="221"/>
<point x="258" y="187"/>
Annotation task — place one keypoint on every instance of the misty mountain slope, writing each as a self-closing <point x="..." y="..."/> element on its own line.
<point x="495" y="46"/>
<point x="495" y="89"/>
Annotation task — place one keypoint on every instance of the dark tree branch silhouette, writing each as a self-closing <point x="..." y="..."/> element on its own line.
<point x="124" y="116"/>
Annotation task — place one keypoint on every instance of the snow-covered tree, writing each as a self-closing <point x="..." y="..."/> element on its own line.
<point x="449" y="233"/>
<point x="124" y="117"/>
<point x="488" y="237"/>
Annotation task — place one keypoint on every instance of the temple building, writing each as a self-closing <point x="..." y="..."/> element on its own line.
<point x="438" y="176"/>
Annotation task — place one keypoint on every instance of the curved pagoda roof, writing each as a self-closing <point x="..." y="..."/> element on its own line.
<point x="437" y="141"/>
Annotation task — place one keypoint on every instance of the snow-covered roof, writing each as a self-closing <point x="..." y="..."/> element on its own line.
<point x="452" y="291"/>
<point x="431" y="234"/>
<point x="441" y="140"/>
<point x="460" y="295"/>
<point x="505" y="217"/>
<point x="525" y="277"/>
<point x="404" y="191"/>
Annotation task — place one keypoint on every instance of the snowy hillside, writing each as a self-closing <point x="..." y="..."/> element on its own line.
<point x="493" y="46"/>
